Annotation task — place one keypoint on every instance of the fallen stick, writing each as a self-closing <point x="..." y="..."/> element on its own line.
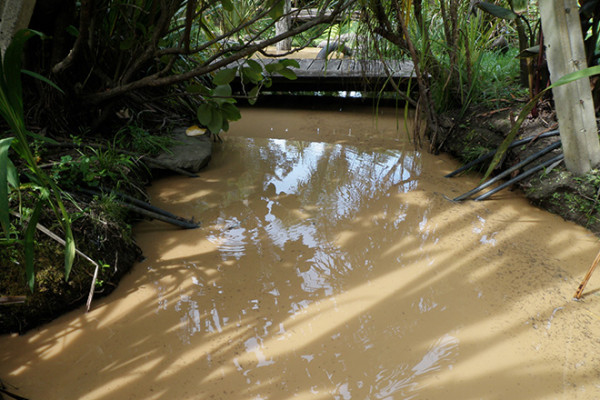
<point x="60" y="240"/>
<point x="579" y="291"/>
<point x="12" y="299"/>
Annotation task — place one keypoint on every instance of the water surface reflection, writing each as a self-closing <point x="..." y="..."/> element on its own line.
<point x="330" y="270"/>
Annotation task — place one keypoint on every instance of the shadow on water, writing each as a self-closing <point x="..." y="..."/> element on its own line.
<point x="330" y="271"/>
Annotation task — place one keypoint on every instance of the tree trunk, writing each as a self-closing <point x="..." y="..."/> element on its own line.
<point x="14" y="16"/>
<point x="284" y="25"/>
<point x="574" y="105"/>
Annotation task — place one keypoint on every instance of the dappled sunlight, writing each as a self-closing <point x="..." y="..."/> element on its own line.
<point x="330" y="271"/>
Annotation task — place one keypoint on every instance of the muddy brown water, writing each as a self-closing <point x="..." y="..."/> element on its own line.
<point x="329" y="265"/>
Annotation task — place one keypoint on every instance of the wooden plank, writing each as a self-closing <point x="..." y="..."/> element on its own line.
<point x="305" y="64"/>
<point x="574" y="104"/>
<point x="333" y="67"/>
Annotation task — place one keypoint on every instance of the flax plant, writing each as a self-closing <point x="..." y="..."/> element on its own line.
<point x="11" y="110"/>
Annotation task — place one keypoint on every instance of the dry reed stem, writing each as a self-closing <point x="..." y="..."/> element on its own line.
<point x="579" y="291"/>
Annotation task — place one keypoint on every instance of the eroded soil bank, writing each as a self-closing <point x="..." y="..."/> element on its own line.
<point x="575" y="198"/>
<point x="330" y="264"/>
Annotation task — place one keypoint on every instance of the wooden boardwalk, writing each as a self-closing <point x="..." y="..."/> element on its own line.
<point x="343" y="74"/>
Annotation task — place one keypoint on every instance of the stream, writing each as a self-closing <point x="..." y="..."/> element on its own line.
<point x="330" y="265"/>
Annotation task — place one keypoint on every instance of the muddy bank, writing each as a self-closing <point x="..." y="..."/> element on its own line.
<point x="575" y="198"/>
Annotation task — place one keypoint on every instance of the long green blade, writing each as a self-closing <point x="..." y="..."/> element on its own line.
<point x="497" y="11"/>
<point x="575" y="75"/>
<point x="42" y="78"/>
<point x="4" y="175"/>
<point x="29" y="245"/>
<point x="69" y="248"/>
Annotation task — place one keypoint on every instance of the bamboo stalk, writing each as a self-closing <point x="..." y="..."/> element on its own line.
<point x="579" y="291"/>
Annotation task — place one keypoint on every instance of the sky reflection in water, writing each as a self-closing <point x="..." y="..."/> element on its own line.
<point x="305" y="195"/>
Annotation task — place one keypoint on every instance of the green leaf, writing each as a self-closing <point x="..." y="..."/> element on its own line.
<point x="42" y="78"/>
<point x="253" y="95"/>
<point x="11" y="64"/>
<point x="29" y="244"/>
<point x="222" y="91"/>
<point x="224" y="76"/>
<point x="254" y="65"/>
<point x="290" y="63"/>
<point x="497" y="11"/>
<point x="274" y="67"/>
<point x="532" y="51"/>
<point x="268" y="82"/>
<point x="277" y="10"/>
<point x="230" y="112"/>
<point x="216" y="122"/>
<point x="575" y="75"/>
<point x="197" y="88"/>
<point x="69" y="246"/>
<point x="248" y="74"/>
<point x="288" y="73"/>
<point x="12" y="175"/>
<point x="227" y="5"/>
<point x="4" y="161"/>
<point x="503" y="148"/>
<point x="222" y="94"/>
<point x="127" y="44"/>
<point x="71" y="30"/>
<point x="204" y="114"/>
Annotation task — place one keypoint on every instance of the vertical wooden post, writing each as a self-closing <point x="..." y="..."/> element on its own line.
<point x="14" y="15"/>
<point x="574" y="105"/>
<point x="283" y="25"/>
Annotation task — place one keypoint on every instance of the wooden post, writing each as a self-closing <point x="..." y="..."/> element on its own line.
<point x="14" y="15"/>
<point x="574" y="105"/>
<point x="283" y="25"/>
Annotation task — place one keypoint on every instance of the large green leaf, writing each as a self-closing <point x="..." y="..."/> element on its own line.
<point x="497" y="11"/>
<point x="230" y="112"/>
<point x="274" y="67"/>
<point x="254" y="65"/>
<point x="204" y="114"/>
<point x="29" y="245"/>
<point x="222" y="94"/>
<point x="251" y="75"/>
<point x="288" y="73"/>
<point x="290" y="62"/>
<point x="222" y="91"/>
<point x="216" y="121"/>
<point x="4" y="162"/>
<point x="224" y="76"/>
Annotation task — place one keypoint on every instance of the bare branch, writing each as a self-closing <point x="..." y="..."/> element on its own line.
<point x="85" y="18"/>
<point x="158" y="79"/>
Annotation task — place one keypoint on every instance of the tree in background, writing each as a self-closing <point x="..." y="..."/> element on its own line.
<point x="112" y="55"/>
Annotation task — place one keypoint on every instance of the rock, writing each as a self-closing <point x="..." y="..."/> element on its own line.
<point x="500" y="44"/>
<point x="188" y="153"/>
